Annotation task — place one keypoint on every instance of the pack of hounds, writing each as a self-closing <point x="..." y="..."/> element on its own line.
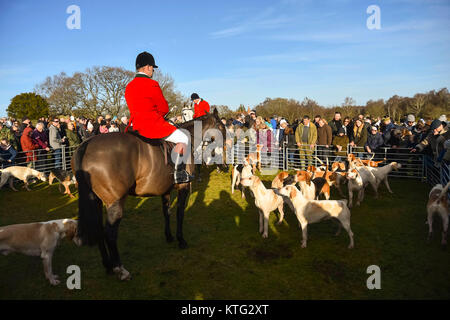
<point x="314" y="183"/>
<point x="41" y="238"/>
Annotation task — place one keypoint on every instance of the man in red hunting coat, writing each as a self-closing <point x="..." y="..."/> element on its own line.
<point x="201" y="107"/>
<point x="148" y="107"/>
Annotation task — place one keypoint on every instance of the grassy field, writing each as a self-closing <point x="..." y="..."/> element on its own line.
<point x="228" y="259"/>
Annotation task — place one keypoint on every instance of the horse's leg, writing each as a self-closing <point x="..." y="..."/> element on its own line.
<point x="197" y="169"/>
<point x="183" y="193"/>
<point x="105" y="257"/>
<point x="115" y="212"/>
<point x="165" y="204"/>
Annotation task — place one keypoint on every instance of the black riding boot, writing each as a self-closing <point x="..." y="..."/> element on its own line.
<point x="181" y="175"/>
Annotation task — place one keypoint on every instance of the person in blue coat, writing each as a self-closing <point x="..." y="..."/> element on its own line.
<point x="374" y="141"/>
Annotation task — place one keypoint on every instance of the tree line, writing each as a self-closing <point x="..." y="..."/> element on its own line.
<point x="428" y="105"/>
<point x="101" y="90"/>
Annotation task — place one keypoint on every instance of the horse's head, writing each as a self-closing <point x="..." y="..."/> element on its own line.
<point x="212" y="127"/>
<point x="212" y="121"/>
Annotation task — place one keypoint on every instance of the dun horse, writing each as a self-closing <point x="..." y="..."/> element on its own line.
<point x="108" y="168"/>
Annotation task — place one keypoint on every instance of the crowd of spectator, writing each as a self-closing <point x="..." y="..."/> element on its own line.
<point x="365" y="135"/>
<point x="44" y="142"/>
<point x="303" y="138"/>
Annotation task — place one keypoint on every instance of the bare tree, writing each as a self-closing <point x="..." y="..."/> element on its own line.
<point x="111" y="83"/>
<point x="417" y="104"/>
<point x="100" y="90"/>
<point x="60" y="92"/>
<point x="375" y="108"/>
<point x="348" y="106"/>
<point x="167" y="84"/>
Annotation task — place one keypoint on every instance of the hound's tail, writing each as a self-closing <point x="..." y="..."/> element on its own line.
<point x="444" y="191"/>
<point x="90" y="208"/>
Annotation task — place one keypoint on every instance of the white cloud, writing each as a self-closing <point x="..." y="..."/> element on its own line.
<point x="263" y="21"/>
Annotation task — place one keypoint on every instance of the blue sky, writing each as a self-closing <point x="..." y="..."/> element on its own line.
<point x="234" y="52"/>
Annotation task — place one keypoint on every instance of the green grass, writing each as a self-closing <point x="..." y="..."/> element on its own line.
<point x="228" y="259"/>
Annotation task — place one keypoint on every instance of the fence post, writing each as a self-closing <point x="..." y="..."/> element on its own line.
<point x="63" y="157"/>
<point x="423" y="168"/>
<point x="315" y="156"/>
<point x="284" y="157"/>
<point x="33" y="164"/>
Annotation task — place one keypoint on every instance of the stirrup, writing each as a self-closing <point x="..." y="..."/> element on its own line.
<point x="182" y="176"/>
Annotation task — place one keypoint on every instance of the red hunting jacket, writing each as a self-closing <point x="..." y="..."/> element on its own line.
<point x="28" y="144"/>
<point x="147" y="107"/>
<point x="201" y="109"/>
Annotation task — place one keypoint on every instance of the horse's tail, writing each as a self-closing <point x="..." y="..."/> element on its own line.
<point x="90" y="208"/>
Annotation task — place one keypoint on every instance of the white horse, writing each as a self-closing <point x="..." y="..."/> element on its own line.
<point x="187" y="113"/>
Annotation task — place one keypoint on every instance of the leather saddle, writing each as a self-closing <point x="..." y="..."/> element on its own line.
<point x="166" y="146"/>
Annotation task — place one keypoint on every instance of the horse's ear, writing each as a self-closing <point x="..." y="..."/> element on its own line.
<point x="216" y="113"/>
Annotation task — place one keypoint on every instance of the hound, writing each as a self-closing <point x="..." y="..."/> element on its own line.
<point x="339" y="170"/>
<point x="66" y="178"/>
<point x="254" y="158"/>
<point x="338" y="166"/>
<point x="304" y="180"/>
<point x="322" y="166"/>
<point x="240" y="171"/>
<point x="21" y="173"/>
<point x="371" y="163"/>
<point x="312" y="190"/>
<point x="312" y="211"/>
<point x="438" y="203"/>
<point x="277" y="182"/>
<point x="381" y="173"/>
<point x="364" y="162"/>
<point x="38" y="239"/>
<point x="266" y="200"/>
<point x="337" y="179"/>
<point x="354" y="161"/>
<point x="358" y="179"/>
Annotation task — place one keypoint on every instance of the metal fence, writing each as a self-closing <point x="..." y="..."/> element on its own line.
<point x="414" y="165"/>
<point x="436" y="172"/>
<point x="43" y="160"/>
<point x="299" y="158"/>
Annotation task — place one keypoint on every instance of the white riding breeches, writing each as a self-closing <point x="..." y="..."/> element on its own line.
<point x="178" y="136"/>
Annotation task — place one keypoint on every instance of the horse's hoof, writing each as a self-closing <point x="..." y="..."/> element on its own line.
<point x="182" y="244"/>
<point x="122" y="273"/>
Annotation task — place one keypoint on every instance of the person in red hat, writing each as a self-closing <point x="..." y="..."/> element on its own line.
<point x="148" y="108"/>
<point x="201" y="107"/>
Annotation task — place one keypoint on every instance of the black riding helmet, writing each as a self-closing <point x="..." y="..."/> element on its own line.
<point x="143" y="59"/>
